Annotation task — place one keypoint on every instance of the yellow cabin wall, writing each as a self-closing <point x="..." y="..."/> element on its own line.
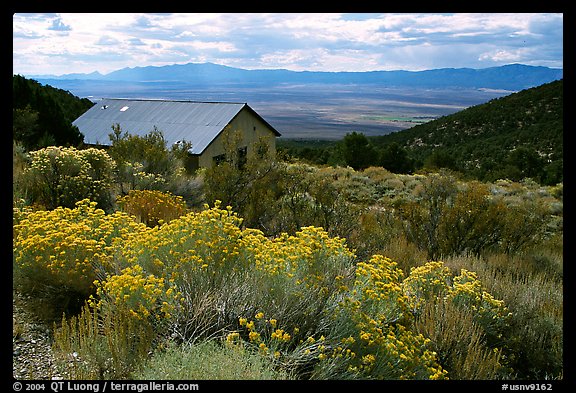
<point x="250" y="129"/>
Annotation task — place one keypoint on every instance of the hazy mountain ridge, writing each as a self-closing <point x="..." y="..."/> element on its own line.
<point x="510" y="77"/>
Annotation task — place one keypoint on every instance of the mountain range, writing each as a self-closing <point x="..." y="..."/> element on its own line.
<point x="508" y="77"/>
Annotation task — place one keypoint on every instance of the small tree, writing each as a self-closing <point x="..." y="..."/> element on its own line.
<point x="145" y="162"/>
<point x="424" y="216"/>
<point x="357" y="151"/>
<point x="244" y="182"/>
<point x="395" y="158"/>
<point x="525" y="162"/>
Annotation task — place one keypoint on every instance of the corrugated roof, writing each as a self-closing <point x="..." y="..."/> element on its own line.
<point x="196" y="122"/>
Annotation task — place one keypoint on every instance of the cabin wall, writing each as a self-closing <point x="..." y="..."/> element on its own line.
<point x="243" y="132"/>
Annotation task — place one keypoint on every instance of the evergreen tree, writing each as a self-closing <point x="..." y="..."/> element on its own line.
<point x="43" y="114"/>
<point x="395" y="158"/>
<point x="357" y="151"/>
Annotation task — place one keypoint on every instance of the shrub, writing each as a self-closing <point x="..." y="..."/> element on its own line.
<point x="423" y="216"/>
<point x="58" y="254"/>
<point x="459" y="341"/>
<point x="443" y="304"/>
<point x="369" y="338"/>
<point x="250" y="183"/>
<point x="223" y="271"/>
<point x="94" y="345"/>
<point x="62" y="176"/>
<point x="146" y="162"/>
<point x="210" y="360"/>
<point x="134" y="295"/>
<point x="152" y="207"/>
<point x="450" y="219"/>
<point x="116" y="329"/>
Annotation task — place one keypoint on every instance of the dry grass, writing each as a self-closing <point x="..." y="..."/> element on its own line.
<point x="534" y="295"/>
<point x="459" y="341"/>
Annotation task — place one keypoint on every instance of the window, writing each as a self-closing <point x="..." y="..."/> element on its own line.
<point x="242" y="157"/>
<point x="219" y="159"/>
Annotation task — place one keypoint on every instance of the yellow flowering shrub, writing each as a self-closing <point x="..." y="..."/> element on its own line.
<point x="434" y="280"/>
<point x="152" y="207"/>
<point x="307" y="262"/>
<point x="426" y="282"/>
<point x="297" y="276"/>
<point x="377" y="297"/>
<point x="492" y="314"/>
<point x="61" y="176"/>
<point x="369" y="338"/>
<point x="66" y="249"/>
<point x="196" y="244"/>
<point x="136" y="294"/>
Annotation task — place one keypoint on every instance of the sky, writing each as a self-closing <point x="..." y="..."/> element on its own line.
<point x="56" y="44"/>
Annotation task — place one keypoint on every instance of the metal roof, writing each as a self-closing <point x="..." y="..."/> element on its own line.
<point x="196" y="122"/>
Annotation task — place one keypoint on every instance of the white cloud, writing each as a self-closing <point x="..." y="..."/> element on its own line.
<point x="505" y="56"/>
<point x="66" y="43"/>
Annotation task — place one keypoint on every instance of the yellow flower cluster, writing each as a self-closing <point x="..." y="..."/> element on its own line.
<point x="387" y="352"/>
<point x="377" y="298"/>
<point x="467" y="291"/>
<point x="205" y="243"/>
<point x="264" y="334"/>
<point x="310" y="258"/>
<point x="153" y="207"/>
<point x="66" y="247"/>
<point x="137" y="294"/>
<point x="376" y="343"/>
<point x="435" y="281"/>
<point x="426" y="282"/>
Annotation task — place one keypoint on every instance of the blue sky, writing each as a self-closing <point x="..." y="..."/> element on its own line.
<point x="83" y="43"/>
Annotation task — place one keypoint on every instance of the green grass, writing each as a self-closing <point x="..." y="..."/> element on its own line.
<point x="208" y="360"/>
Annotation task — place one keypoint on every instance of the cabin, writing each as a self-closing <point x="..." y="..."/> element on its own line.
<point x="210" y="127"/>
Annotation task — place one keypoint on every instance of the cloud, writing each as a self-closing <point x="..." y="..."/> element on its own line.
<point x="107" y="40"/>
<point x="504" y="56"/>
<point x="315" y="41"/>
<point x="58" y="25"/>
<point x="135" y="41"/>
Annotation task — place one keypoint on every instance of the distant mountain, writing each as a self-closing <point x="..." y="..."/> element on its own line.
<point x="516" y="136"/>
<point x="509" y="77"/>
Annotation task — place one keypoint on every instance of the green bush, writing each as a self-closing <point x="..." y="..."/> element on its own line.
<point x="208" y="360"/>
<point x="453" y="218"/>
<point x="62" y="176"/>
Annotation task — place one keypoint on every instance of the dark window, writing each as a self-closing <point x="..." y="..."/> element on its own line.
<point x="242" y="157"/>
<point x="219" y="159"/>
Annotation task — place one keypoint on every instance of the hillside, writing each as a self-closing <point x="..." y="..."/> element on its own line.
<point x="520" y="135"/>
<point x="43" y="114"/>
